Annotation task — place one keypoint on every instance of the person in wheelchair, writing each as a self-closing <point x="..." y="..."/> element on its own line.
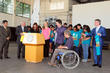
<point x="68" y="46"/>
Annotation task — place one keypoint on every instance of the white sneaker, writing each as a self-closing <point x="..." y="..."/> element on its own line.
<point x="84" y="60"/>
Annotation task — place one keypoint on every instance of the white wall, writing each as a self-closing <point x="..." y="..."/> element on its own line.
<point x="9" y="17"/>
<point x="60" y="13"/>
<point x="86" y="13"/>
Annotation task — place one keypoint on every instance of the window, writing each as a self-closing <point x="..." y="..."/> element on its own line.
<point x="26" y="12"/>
<point x="23" y="9"/>
<point x="19" y="9"/>
<point x="1" y="6"/>
<point x="56" y="5"/>
<point x="6" y="6"/>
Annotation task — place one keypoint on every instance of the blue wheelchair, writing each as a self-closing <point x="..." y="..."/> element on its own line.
<point x="69" y="59"/>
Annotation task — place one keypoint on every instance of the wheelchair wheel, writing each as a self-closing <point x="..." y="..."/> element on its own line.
<point x="70" y="59"/>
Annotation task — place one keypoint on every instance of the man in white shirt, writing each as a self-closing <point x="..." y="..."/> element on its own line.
<point x="101" y="32"/>
<point x="19" y="32"/>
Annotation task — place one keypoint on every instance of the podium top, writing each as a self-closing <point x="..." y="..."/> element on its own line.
<point x="33" y="38"/>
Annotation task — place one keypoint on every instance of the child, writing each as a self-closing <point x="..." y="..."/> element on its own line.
<point x="76" y="36"/>
<point x="70" y="27"/>
<point x="79" y="28"/>
<point x="85" y="44"/>
<point x="52" y="37"/>
<point x="29" y="29"/>
<point x="40" y="29"/>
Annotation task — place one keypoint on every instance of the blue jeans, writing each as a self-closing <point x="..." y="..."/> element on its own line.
<point x="85" y="51"/>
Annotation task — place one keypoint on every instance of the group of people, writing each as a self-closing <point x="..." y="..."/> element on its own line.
<point x="19" y="32"/>
<point x="59" y="38"/>
<point x="80" y="39"/>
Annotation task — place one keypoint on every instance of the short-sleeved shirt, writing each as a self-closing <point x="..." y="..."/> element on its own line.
<point x="52" y="38"/>
<point x="69" y="43"/>
<point x="46" y="33"/>
<point x="76" y="36"/>
<point x="60" y="35"/>
<point x="71" y="31"/>
<point x="86" y="41"/>
<point x="40" y="31"/>
<point x="80" y="31"/>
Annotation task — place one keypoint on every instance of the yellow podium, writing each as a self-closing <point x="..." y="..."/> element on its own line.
<point x="34" y="43"/>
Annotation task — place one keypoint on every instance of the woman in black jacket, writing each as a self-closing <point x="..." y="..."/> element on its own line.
<point x="35" y="28"/>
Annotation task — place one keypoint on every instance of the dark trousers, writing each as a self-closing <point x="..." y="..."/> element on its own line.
<point x="4" y="48"/>
<point x="77" y="50"/>
<point x="21" y="48"/>
<point x="56" y="45"/>
<point x="80" y="51"/>
<point x="46" y="48"/>
<point x="89" y="53"/>
<point x="53" y="48"/>
<point x="97" y="59"/>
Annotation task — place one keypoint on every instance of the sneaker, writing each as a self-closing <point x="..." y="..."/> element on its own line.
<point x="7" y="57"/>
<point x="95" y="65"/>
<point x="84" y="60"/>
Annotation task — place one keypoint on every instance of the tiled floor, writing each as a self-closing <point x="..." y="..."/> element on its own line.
<point x="14" y="65"/>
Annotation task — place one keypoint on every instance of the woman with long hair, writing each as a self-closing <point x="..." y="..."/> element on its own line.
<point x="35" y="28"/>
<point x="46" y="33"/>
<point x="85" y="43"/>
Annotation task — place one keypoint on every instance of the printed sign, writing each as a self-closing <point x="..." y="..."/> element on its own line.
<point x="30" y="38"/>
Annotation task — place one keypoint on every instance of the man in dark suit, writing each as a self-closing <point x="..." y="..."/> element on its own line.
<point x="100" y="32"/>
<point x="19" y="32"/>
<point x="5" y="36"/>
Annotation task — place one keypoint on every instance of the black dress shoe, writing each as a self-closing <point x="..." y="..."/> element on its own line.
<point x="7" y="57"/>
<point x="18" y="57"/>
<point x="95" y="65"/>
<point x="23" y="56"/>
<point x="1" y="58"/>
<point x="99" y="66"/>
